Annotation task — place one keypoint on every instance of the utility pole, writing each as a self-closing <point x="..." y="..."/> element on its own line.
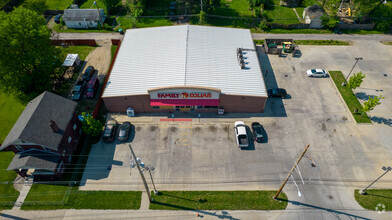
<point x="141" y="174"/>
<point x="201" y="5"/>
<point x="99" y="14"/>
<point x="292" y="169"/>
<point x="386" y="169"/>
<point x="357" y="59"/>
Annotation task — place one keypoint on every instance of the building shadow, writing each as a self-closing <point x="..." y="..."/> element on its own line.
<point x="333" y="211"/>
<point x="274" y="106"/>
<point x="382" y="120"/>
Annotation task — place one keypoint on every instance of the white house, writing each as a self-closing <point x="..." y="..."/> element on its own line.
<point x="83" y="18"/>
<point x="312" y="16"/>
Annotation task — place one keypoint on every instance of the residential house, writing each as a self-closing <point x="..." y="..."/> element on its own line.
<point x="44" y="137"/>
<point x="83" y="18"/>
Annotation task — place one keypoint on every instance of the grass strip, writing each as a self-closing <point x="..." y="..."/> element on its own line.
<point x="349" y="97"/>
<point x="218" y="200"/>
<point x="386" y="42"/>
<point x="258" y="41"/>
<point x="373" y="198"/>
<point x="321" y="42"/>
<point x="8" y="193"/>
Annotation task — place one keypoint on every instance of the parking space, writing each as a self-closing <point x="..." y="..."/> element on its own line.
<point x="202" y="154"/>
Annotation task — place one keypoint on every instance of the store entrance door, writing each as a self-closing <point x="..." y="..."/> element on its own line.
<point x="186" y="108"/>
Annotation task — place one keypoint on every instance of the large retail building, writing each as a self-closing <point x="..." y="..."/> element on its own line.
<point x="186" y="68"/>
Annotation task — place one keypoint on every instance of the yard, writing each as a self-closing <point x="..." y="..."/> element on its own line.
<point x="375" y="197"/>
<point x="58" y="4"/>
<point x="10" y="109"/>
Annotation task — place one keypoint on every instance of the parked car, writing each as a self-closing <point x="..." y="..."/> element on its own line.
<point x="279" y="93"/>
<point x="240" y="134"/>
<point x="77" y="91"/>
<point x="57" y="18"/>
<point x="317" y="73"/>
<point x="92" y="88"/>
<point x="88" y="73"/>
<point x="109" y="134"/>
<point x="123" y="134"/>
<point x="258" y="132"/>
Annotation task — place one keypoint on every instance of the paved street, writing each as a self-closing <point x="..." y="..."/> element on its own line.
<point x="202" y="155"/>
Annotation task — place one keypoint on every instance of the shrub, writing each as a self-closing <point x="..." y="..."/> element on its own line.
<point x="329" y="22"/>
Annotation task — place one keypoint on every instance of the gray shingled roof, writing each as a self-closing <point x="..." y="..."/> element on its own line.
<point x="33" y="124"/>
<point x="35" y="159"/>
<point x="80" y="14"/>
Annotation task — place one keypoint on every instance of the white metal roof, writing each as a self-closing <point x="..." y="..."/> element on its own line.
<point x="186" y="55"/>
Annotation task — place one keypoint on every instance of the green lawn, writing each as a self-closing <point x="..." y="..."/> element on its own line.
<point x="58" y="4"/>
<point x="374" y="197"/>
<point x="10" y="110"/>
<point x="8" y="194"/>
<point x="128" y="22"/>
<point x="234" y="8"/>
<point x="49" y="197"/>
<point x="83" y="51"/>
<point x="282" y="15"/>
<point x="259" y="42"/>
<point x="89" y="4"/>
<point x="218" y="200"/>
<point x="349" y="97"/>
<point x="321" y="42"/>
<point x="296" y="31"/>
<point x="387" y="43"/>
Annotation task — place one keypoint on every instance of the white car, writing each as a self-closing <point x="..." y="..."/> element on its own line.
<point x="317" y="73"/>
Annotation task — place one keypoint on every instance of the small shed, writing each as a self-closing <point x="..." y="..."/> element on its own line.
<point x="83" y="18"/>
<point x="72" y="60"/>
<point x="312" y="16"/>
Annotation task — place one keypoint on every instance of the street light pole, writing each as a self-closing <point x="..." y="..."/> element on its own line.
<point x="357" y="59"/>
<point x="153" y="184"/>
<point x="141" y="174"/>
<point x="387" y="169"/>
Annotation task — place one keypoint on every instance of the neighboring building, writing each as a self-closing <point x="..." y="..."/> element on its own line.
<point x="83" y="18"/>
<point x="312" y="16"/>
<point x="44" y="137"/>
<point x="186" y="68"/>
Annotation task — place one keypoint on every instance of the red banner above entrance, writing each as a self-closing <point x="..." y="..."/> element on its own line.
<point x="184" y="102"/>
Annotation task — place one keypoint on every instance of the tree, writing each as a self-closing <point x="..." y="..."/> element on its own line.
<point x="91" y="125"/>
<point x="202" y="17"/>
<point x="371" y="103"/>
<point x="332" y="6"/>
<point x="365" y="7"/>
<point x="109" y="4"/>
<point x="38" y="6"/>
<point x="27" y="58"/>
<point x="329" y="22"/>
<point x="136" y="7"/>
<point x="356" y="80"/>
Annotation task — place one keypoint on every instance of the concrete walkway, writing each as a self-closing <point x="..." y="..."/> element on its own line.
<point x="23" y="193"/>
<point x="145" y="203"/>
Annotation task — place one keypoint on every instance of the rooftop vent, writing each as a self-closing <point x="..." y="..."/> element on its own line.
<point x="54" y="126"/>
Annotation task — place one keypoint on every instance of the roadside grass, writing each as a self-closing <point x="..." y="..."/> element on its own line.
<point x="234" y="8"/>
<point x="374" y="197"/>
<point x="89" y="4"/>
<point x="349" y="97"/>
<point x="113" y="49"/>
<point x="362" y="32"/>
<point x="259" y="42"/>
<point x="218" y="200"/>
<point x="63" y="29"/>
<point x="296" y="31"/>
<point x="386" y="42"/>
<point x="58" y="4"/>
<point x="321" y="42"/>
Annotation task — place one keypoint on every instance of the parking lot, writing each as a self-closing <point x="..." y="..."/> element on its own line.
<point x="202" y="154"/>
